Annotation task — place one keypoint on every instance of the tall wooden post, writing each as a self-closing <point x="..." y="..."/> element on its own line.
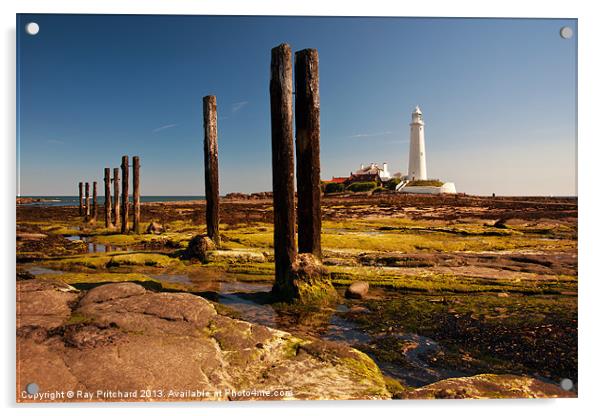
<point x="283" y="165"/>
<point x="108" y="223"/>
<point x="94" y="200"/>
<point x="211" y="168"/>
<point x="125" y="191"/>
<point x="87" y="217"/>
<point x="136" y="180"/>
<point x="307" y="123"/>
<point x="116" y="201"/>
<point x="81" y="199"/>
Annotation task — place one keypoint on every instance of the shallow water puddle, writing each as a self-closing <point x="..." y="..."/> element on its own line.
<point x="96" y="247"/>
<point x="35" y="270"/>
<point x="236" y="295"/>
<point x="417" y="372"/>
<point x="173" y="278"/>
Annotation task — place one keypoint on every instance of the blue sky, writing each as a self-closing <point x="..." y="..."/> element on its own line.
<point x="498" y="97"/>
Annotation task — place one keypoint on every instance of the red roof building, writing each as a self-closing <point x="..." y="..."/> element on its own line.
<point x="337" y="180"/>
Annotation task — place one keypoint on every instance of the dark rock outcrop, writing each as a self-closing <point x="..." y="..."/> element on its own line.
<point x="198" y="247"/>
<point x="155" y="228"/>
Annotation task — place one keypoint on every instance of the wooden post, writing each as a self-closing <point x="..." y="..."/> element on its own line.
<point x="307" y="123"/>
<point x="94" y="200"/>
<point x="108" y="223"/>
<point x="211" y="168"/>
<point x="116" y="201"/>
<point x="87" y="217"/>
<point x="283" y="165"/>
<point x="125" y="184"/>
<point x="136" y="180"/>
<point x="81" y="199"/>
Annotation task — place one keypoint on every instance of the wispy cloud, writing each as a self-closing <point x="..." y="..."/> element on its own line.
<point x="236" y="107"/>
<point x="364" y="135"/>
<point x="55" y="141"/>
<point x="165" y="127"/>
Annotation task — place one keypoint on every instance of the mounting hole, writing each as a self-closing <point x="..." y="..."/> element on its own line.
<point x="566" y="32"/>
<point x="32" y="28"/>
<point x="32" y="388"/>
<point x="566" y="384"/>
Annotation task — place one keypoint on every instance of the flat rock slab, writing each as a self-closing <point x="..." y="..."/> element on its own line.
<point x="121" y="342"/>
<point x="44" y="304"/>
<point x="488" y="386"/>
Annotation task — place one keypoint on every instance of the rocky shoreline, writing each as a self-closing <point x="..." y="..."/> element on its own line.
<point x="122" y="342"/>
<point x="447" y="297"/>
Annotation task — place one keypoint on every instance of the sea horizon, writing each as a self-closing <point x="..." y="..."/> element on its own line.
<point x="73" y="200"/>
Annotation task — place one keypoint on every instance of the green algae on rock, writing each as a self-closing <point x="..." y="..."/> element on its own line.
<point x="142" y="259"/>
<point x="308" y="283"/>
<point x="109" y="260"/>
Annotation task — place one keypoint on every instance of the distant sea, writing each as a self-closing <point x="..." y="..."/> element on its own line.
<point x="69" y="201"/>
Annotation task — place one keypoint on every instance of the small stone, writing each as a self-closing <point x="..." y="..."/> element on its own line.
<point x="502" y="295"/>
<point x="357" y="290"/>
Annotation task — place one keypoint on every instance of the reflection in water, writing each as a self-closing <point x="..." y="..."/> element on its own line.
<point x="96" y="247"/>
<point x="249" y="300"/>
<point x="416" y="371"/>
<point x="173" y="278"/>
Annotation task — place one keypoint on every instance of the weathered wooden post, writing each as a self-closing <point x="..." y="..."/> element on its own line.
<point x="87" y="217"/>
<point x="136" y="180"/>
<point x="94" y="200"/>
<point x="307" y="123"/>
<point x="81" y="199"/>
<point x="108" y="223"/>
<point x="116" y="201"/>
<point x="283" y="167"/>
<point x="211" y="168"/>
<point x="125" y="184"/>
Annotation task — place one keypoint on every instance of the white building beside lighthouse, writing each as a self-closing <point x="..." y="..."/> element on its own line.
<point x="417" y="159"/>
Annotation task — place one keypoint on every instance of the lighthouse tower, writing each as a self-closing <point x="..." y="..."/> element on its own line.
<point x="417" y="165"/>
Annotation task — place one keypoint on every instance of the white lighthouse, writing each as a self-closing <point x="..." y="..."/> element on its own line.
<point x="417" y="163"/>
